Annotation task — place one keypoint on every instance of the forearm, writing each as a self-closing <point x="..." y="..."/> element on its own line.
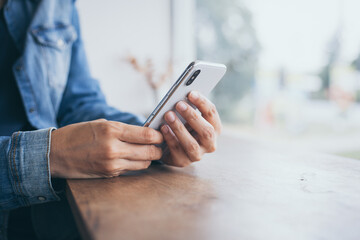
<point x="24" y="169"/>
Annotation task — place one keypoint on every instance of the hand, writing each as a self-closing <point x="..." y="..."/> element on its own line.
<point x="185" y="147"/>
<point x="102" y="149"/>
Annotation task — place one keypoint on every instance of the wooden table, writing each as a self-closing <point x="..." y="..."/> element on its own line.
<point x="245" y="190"/>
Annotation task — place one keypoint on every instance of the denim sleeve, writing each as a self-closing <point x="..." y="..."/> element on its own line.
<point x="83" y="99"/>
<point x="24" y="169"/>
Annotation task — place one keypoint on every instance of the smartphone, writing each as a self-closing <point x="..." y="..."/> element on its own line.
<point x="198" y="76"/>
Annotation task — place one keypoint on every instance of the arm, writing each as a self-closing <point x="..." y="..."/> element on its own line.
<point x="103" y="149"/>
<point x="99" y="148"/>
<point x="25" y="166"/>
<point x="24" y="171"/>
<point x="83" y="99"/>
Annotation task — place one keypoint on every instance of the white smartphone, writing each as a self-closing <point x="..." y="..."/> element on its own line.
<point x="198" y="76"/>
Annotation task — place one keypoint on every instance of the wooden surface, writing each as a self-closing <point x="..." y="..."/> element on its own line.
<point x="243" y="191"/>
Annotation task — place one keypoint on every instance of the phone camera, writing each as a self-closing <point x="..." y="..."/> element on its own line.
<point x="193" y="77"/>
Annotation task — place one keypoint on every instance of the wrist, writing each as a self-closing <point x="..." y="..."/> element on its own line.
<point x="53" y="156"/>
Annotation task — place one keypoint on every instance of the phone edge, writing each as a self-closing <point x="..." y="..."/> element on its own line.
<point x="168" y="94"/>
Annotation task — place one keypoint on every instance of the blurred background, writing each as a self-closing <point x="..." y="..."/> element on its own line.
<point x="293" y="66"/>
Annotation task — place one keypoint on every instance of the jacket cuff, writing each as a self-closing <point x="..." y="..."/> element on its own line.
<point x="29" y="166"/>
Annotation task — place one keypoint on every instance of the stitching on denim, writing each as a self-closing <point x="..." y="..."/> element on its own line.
<point x="48" y="163"/>
<point x="14" y="163"/>
<point x="10" y="155"/>
<point x="10" y="161"/>
<point x="31" y="86"/>
<point x="16" y="171"/>
<point x="29" y="82"/>
<point x="4" y="202"/>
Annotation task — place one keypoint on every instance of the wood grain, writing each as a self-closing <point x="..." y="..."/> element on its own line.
<point x="243" y="191"/>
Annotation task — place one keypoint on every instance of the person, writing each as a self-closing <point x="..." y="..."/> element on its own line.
<point x="55" y="123"/>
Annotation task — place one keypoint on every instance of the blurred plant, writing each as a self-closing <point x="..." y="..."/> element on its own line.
<point x="147" y="69"/>
<point x="356" y="65"/>
<point x="333" y="52"/>
<point x="344" y="99"/>
<point x="225" y="34"/>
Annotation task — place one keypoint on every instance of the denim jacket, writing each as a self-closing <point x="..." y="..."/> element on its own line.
<point x="56" y="89"/>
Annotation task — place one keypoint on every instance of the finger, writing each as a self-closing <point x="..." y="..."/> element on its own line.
<point x="178" y="156"/>
<point x="129" y="165"/>
<point x="136" y="134"/>
<point x="205" y="131"/>
<point x="117" y="167"/>
<point x="207" y="109"/>
<point x="137" y="152"/>
<point x="100" y="120"/>
<point x="186" y="140"/>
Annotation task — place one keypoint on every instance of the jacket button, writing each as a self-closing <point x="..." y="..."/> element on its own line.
<point x="60" y="43"/>
<point x="31" y="110"/>
<point x="41" y="198"/>
<point x="18" y="68"/>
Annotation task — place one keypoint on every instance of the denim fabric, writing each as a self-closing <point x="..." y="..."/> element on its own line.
<point x="12" y="115"/>
<point x="56" y="89"/>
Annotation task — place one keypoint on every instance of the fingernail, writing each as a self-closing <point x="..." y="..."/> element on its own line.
<point x="170" y="117"/>
<point x="181" y="106"/>
<point x="194" y="95"/>
<point x="165" y="129"/>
